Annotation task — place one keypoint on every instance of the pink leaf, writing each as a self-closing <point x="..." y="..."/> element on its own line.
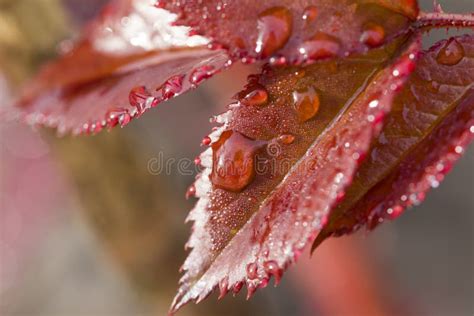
<point x="277" y="165"/>
<point x="129" y="60"/>
<point x="295" y="31"/>
<point x="427" y="131"/>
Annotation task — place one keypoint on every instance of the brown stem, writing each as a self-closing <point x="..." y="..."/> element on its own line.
<point x="441" y="19"/>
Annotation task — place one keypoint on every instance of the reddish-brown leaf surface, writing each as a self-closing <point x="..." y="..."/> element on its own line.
<point x="428" y="129"/>
<point x="284" y="153"/>
<point x="295" y="31"/>
<point x="127" y="61"/>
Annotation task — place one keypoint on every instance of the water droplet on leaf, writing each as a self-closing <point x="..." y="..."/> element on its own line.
<point x="320" y="46"/>
<point x="451" y="54"/>
<point x="138" y="98"/>
<point x="191" y="192"/>
<point x="124" y="119"/>
<point x="206" y="141"/>
<point x="272" y="268"/>
<point x="274" y="30"/>
<point x="172" y="86"/>
<point x="112" y="117"/>
<point x="306" y="103"/>
<point x="237" y="287"/>
<point x="233" y="158"/>
<point x="309" y="14"/>
<point x="254" y="95"/>
<point x="252" y="271"/>
<point x="287" y="139"/>
<point x="373" y="36"/>
<point x="201" y="73"/>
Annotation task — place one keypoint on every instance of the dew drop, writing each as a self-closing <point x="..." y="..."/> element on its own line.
<point x="85" y="128"/>
<point x="395" y="211"/>
<point x="310" y="14"/>
<point x="206" y="141"/>
<point x="340" y="196"/>
<point x="201" y="73"/>
<point x="138" y="98"/>
<point x="254" y="95"/>
<point x="233" y="158"/>
<point x="252" y="271"/>
<point x="96" y="127"/>
<point x="373" y="104"/>
<point x="237" y="287"/>
<point x="274" y="30"/>
<point x="112" y="117"/>
<point x="451" y="54"/>
<point x="287" y="139"/>
<point x="278" y="61"/>
<point x="263" y="283"/>
<point x="373" y="36"/>
<point x="300" y="73"/>
<point x="172" y="86"/>
<point x="124" y="119"/>
<point x="272" y="268"/>
<point x="306" y="103"/>
<point x="191" y="191"/>
<point x="320" y="46"/>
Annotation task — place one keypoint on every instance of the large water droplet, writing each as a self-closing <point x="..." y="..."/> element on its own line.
<point x="274" y="30"/>
<point x="320" y="46"/>
<point x="233" y="158"/>
<point x="306" y="103"/>
<point x="373" y="35"/>
<point x="451" y="53"/>
<point x="255" y="94"/>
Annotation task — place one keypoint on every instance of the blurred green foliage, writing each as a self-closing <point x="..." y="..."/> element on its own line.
<point x="29" y="33"/>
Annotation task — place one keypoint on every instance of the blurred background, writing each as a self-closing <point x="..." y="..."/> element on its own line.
<point x="87" y="227"/>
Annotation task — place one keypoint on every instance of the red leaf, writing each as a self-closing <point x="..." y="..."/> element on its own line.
<point x="295" y="31"/>
<point x="430" y="125"/>
<point x="282" y="157"/>
<point x="129" y="60"/>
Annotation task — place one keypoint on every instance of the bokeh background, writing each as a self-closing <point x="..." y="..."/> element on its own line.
<point x="87" y="229"/>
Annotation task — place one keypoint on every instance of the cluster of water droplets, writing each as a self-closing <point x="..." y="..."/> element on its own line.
<point x="233" y="153"/>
